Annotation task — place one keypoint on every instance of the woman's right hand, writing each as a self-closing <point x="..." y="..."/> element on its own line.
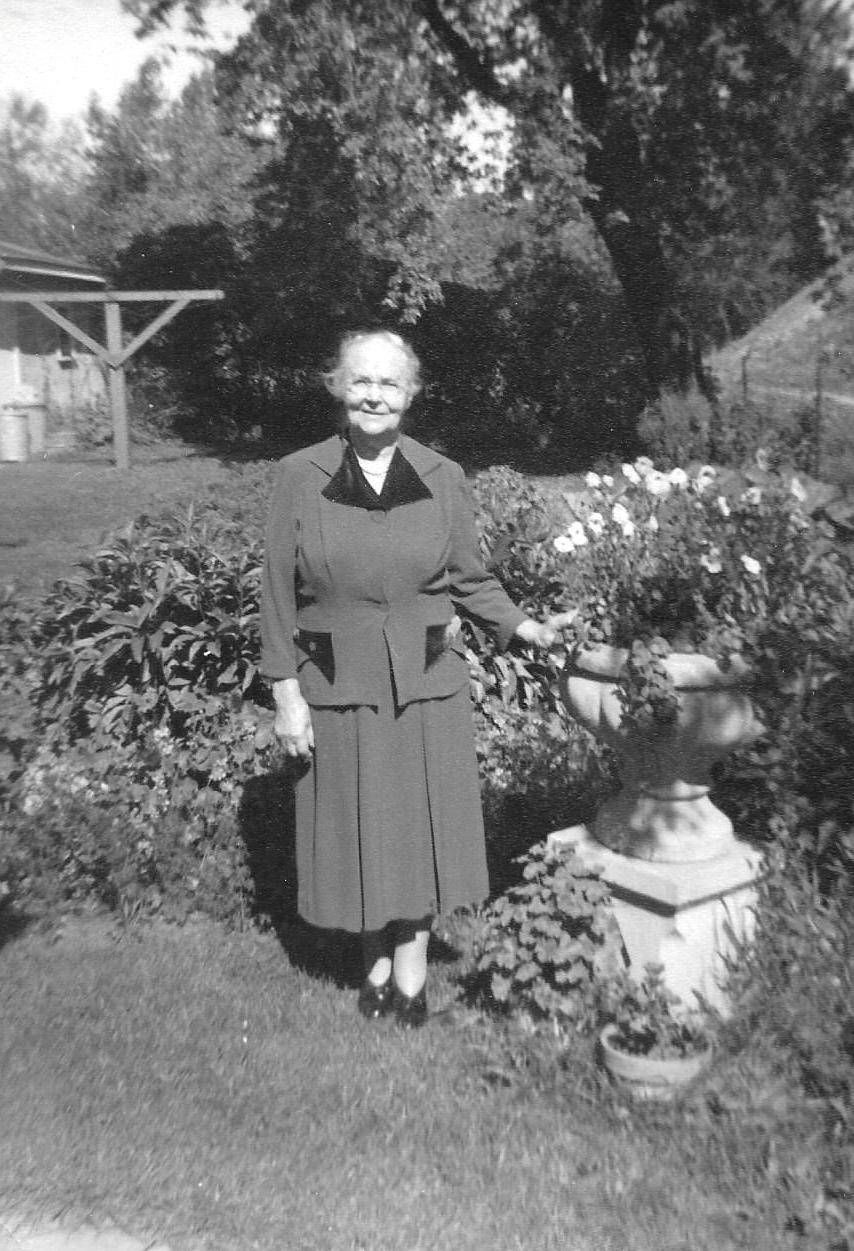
<point x="292" y="723"/>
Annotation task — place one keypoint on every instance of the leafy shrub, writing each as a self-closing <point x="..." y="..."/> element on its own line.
<point x="544" y="942"/>
<point x="159" y="623"/>
<point x="684" y="428"/>
<point x="539" y="772"/>
<point x="794" y="996"/>
<point x="149" y="824"/>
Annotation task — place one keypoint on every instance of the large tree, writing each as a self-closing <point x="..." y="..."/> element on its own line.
<point x="698" y="135"/>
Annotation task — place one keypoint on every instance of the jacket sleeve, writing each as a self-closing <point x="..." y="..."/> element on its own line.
<point x="278" y="583"/>
<point x="476" y="592"/>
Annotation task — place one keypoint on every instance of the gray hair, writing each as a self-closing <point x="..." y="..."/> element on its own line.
<point x="334" y="376"/>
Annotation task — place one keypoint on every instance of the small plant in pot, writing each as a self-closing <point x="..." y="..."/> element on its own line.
<point x="653" y="1044"/>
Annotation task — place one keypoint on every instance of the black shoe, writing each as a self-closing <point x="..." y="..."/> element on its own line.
<point x="375" y="1001"/>
<point x="410" y="1011"/>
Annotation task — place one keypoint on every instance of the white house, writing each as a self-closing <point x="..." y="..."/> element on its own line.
<point x="39" y="361"/>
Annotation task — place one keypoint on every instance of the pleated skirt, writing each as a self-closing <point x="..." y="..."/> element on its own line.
<point x="389" y="823"/>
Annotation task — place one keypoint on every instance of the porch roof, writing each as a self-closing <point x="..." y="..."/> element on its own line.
<point x="18" y="260"/>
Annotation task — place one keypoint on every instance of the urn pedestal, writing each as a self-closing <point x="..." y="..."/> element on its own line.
<point x="683" y="886"/>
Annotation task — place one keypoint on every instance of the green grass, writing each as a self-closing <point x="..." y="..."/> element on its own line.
<point x="199" y="1086"/>
<point x="53" y="513"/>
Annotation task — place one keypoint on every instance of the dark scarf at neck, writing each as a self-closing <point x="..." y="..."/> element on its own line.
<point x="348" y="485"/>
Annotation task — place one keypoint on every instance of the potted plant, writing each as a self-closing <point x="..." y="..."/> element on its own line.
<point x="689" y="588"/>
<point x="652" y="1045"/>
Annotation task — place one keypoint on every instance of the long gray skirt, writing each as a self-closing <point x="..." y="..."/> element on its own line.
<point x="388" y="816"/>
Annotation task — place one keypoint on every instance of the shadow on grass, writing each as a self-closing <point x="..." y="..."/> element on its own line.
<point x="267" y="826"/>
<point x="13" y="923"/>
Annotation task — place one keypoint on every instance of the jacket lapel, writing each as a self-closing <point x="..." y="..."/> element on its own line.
<point x="349" y="486"/>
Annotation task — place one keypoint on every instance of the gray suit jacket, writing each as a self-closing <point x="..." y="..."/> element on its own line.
<point x="348" y="591"/>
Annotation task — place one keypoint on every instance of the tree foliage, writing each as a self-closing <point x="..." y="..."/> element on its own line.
<point x="40" y="177"/>
<point x="698" y="135"/>
<point x="669" y="170"/>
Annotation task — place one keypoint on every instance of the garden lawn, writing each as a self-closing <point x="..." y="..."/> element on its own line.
<point x="195" y="1085"/>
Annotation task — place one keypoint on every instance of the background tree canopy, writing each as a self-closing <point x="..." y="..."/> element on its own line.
<point x="667" y="172"/>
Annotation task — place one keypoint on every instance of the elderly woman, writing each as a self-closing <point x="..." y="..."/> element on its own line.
<point x="371" y="548"/>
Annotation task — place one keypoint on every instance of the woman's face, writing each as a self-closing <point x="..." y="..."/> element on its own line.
<point x="377" y="388"/>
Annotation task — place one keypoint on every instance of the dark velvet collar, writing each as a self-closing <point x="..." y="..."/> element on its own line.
<point x="348" y="485"/>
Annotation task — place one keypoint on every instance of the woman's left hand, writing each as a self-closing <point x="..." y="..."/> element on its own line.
<point x="544" y="634"/>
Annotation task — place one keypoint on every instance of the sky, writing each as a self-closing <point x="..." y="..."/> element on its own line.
<point x="61" y="51"/>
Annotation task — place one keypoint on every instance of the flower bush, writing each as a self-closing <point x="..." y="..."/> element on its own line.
<point x="655" y="562"/>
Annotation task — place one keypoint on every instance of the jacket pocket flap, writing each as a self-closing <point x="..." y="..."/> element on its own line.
<point x="316" y="646"/>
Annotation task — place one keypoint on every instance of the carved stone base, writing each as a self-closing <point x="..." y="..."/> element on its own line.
<point x="690" y="918"/>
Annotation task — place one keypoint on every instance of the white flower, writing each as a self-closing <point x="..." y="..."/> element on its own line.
<point x="33" y="803"/>
<point x="628" y="529"/>
<point x="723" y="506"/>
<point x="657" y="483"/>
<point x="592" y="480"/>
<point x="678" y="478"/>
<point x="753" y="495"/>
<point x="761" y="459"/>
<point x="751" y="566"/>
<point x="797" y="489"/>
<point x="652" y="524"/>
<point x="711" y="560"/>
<point x="630" y="474"/>
<point x="563" y="543"/>
<point x="706" y="474"/>
<point x="620" y="514"/>
<point x="595" y="524"/>
<point x="577" y="535"/>
<point x="644" y="466"/>
<point x="607" y="480"/>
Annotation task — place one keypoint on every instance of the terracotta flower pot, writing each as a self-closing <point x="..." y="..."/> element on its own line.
<point x="664" y="811"/>
<point x="650" y="1077"/>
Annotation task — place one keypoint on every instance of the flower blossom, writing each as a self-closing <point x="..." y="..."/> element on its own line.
<point x="723" y="506"/>
<point x="607" y="480"/>
<point x="620" y="514"/>
<point x="751" y="566"/>
<point x="678" y="478"/>
<point x="644" y="466"/>
<point x="652" y="523"/>
<point x="753" y="495"/>
<point x="592" y="480"/>
<point x="761" y="458"/>
<point x="595" y="524"/>
<point x="627" y="529"/>
<point x="706" y="474"/>
<point x="563" y="543"/>
<point x="577" y="535"/>
<point x="630" y="474"/>
<point x="657" y="483"/>
<point x="711" y="560"/>
<point x="798" y="490"/>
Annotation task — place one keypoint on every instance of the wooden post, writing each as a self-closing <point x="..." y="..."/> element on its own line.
<point x="114" y="355"/>
<point x="116" y="382"/>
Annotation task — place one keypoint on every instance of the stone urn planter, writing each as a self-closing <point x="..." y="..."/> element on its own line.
<point x="650" y="1076"/>
<point x="663" y="811"/>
